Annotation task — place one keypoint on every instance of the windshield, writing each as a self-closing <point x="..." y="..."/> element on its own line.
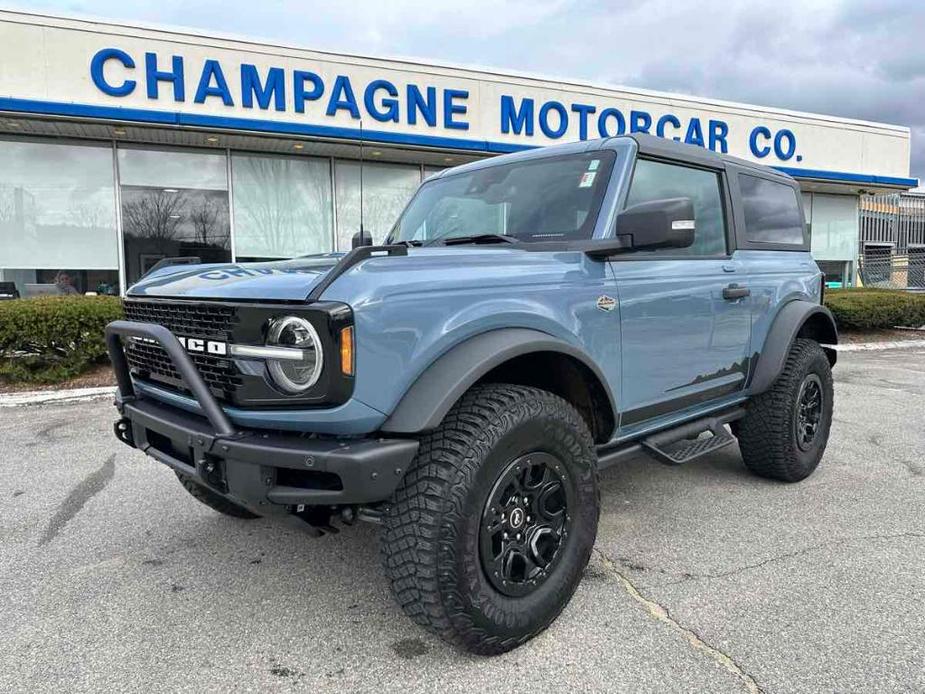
<point x="549" y="199"/>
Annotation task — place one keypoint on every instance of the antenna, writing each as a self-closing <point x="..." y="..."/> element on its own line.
<point x="362" y="228"/>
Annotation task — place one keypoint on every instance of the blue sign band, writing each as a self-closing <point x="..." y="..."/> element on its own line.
<point x="147" y="116"/>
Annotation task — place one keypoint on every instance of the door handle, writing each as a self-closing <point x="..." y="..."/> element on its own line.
<point x="734" y="291"/>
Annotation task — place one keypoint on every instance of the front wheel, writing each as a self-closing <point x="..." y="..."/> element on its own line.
<point x="486" y="538"/>
<point x="785" y="430"/>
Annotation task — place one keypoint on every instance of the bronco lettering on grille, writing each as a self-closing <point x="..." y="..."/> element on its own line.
<point x="199" y="346"/>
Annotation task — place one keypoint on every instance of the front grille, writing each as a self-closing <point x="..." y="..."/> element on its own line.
<point x="149" y="361"/>
<point x="191" y="320"/>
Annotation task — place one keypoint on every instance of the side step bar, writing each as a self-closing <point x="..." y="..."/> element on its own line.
<point x="680" y="444"/>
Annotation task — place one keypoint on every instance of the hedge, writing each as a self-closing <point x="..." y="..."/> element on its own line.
<point x="50" y="339"/>
<point x="873" y="309"/>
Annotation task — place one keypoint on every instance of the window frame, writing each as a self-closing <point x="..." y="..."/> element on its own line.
<point x="667" y="254"/>
<point x="742" y="241"/>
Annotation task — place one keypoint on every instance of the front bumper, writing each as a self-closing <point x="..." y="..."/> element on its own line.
<point x="264" y="471"/>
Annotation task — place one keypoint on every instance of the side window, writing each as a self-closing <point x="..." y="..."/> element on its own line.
<point x="654" y="180"/>
<point x="772" y="211"/>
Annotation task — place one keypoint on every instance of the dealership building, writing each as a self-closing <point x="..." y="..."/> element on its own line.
<point x="122" y="144"/>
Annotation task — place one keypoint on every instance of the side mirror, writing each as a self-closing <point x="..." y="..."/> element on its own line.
<point x="666" y="223"/>
<point x="361" y="238"/>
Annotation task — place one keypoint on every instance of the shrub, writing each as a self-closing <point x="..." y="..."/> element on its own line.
<point x="49" y="339"/>
<point x="872" y="309"/>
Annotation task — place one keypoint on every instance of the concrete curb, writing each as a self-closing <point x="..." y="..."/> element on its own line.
<point x="40" y="397"/>
<point x="877" y="346"/>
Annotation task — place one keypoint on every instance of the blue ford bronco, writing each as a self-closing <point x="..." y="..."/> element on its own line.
<point x="529" y="321"/>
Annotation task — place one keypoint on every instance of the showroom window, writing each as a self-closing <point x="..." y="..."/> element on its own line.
<point x="283" y="206"/>
<point x="174" y="203"/>
<point x="57" y="218"/>
<point x="386" y="190"/>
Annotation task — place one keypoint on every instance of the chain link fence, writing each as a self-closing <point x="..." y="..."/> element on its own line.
<point x="893" y="271"/>
<point x="893" y="241"/>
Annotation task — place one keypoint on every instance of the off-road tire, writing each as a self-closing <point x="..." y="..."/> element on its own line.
<point x="768" y="432"/>
<point x="213" y="500"/>
<point x="432" y="525"/>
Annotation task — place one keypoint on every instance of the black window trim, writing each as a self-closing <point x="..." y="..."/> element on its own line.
<point x="728" y="212"/>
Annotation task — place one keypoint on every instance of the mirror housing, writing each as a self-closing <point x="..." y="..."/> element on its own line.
<point x="665" y="223"/>
<point x="361" y="238"/>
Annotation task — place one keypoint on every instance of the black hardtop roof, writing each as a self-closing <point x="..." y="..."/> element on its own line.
<point x="660" y="147"/>
<point x="648" y="145"/>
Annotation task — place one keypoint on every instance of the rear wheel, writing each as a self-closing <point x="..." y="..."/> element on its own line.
<point x="785" y="430"/>
<point x="486" y="538"/>
<point x="214" y="501"/>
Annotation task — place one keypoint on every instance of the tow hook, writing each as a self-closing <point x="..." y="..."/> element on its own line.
<point x="212" y="471"/>
<point x="319" y="520"/>
<point x="315" y="519"/>
<point x="123" y="430"/>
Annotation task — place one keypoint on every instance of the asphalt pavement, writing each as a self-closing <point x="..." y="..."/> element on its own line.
<point x="704" y="578"/>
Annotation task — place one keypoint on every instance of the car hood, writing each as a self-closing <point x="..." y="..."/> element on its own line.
<point x="422" y="272"/>
<point x="283" y="280"/>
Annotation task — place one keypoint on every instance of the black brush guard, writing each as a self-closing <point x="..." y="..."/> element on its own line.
<point x="265" y="471"/>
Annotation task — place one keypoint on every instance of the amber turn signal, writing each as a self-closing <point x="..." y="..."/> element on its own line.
<point x="346" y="351"/>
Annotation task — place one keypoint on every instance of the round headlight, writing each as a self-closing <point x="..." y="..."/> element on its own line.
<point x="297" y="372"/>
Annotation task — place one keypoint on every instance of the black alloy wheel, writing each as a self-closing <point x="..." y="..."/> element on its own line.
<point x="526" y="523"/>
<point x="809" y="411"/>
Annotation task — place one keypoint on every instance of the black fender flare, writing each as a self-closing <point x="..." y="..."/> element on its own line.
<point x="786" y="326"/>
<point x="443" y="382"/>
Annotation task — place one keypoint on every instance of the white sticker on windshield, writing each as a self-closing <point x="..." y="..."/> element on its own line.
<point x="587" y="179"/>
<point x="594" y="164"/>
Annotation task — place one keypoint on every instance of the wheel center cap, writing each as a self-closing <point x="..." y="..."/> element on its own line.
<point x="517" y="518"/>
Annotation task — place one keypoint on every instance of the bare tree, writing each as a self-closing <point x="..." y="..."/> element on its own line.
<point x="205" y="220"/>
<point x="154" y="216"/>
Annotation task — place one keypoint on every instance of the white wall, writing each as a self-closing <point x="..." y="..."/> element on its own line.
<point x="49" y="60"/>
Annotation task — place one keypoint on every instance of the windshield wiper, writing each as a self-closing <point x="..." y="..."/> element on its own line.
<point x="479" y="239"/>
<point x="410" y="243"/>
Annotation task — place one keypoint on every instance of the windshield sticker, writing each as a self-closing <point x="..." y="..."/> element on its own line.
<point x="587" y="179"/>
<point x="594" y="164"/>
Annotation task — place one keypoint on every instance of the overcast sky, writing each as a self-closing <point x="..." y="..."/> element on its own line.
<point x="856" y="58"/>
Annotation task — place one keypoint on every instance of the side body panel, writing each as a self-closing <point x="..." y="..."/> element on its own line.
<point x="775" y="278"/>
<point x="683" y="344"/>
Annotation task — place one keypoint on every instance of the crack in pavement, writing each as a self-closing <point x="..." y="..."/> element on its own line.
<point x="797" y="553"/>
<point x="89" y="487"/>
<point x="661" y="613"/>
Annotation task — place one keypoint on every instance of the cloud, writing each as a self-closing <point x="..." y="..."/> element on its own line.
<point x="855" y="58"/>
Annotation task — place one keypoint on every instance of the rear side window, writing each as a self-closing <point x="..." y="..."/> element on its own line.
<point x="772" y="211"/>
